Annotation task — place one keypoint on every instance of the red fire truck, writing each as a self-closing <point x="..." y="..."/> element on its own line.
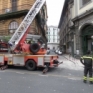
<point x="30" y="55"/>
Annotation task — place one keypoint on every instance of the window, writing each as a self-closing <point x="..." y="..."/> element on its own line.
<point x="53" y="40"/>
<point x="57" y="40"/>
<point x="48" y="40"/>
<point x="53" y="33"/>
<point x="85" y="2"/>
<point x="48" y="32"/>
<point x="48" y="37"/>
<point x="14" y="5"/>
<point x="13" y="26"/>
<point x="54" y="29"/>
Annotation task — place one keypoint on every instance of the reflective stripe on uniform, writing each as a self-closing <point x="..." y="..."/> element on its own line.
<point x="90" y="79"/>
<point x="87" y="57"/>
<point x="84" y="78"/>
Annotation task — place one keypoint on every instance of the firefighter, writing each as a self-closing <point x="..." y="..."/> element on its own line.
<point x="87" y="62"/>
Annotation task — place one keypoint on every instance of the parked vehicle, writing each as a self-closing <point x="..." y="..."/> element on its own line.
<point x="59" y="52"/>
<point x="56" y="51"/>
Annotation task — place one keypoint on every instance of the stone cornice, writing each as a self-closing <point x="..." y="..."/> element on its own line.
<point x="83" y="15"/>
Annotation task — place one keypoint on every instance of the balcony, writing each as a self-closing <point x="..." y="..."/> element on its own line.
<point x="14" y="11"/>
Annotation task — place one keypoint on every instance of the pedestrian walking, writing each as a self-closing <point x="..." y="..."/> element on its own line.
<point x="87" y="61"/>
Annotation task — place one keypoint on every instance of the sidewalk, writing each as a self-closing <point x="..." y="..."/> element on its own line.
<point x="69" y="57"/>
<point x="70" y="62"/>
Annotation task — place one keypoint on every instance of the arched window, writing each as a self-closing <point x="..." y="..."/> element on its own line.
<point x="13" y="26"/>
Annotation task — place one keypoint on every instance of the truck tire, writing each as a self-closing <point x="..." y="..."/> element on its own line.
<point x="34" y="48"/>
<point x="31" y="65"/>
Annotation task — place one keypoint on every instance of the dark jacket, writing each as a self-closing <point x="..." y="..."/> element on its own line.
<point x="87" y="61"/>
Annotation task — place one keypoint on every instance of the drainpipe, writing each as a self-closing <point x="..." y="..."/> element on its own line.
<point x="92" y="44"/>
<point x="72" y="45"/>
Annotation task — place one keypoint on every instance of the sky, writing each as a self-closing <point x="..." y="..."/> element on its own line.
<point x="54" y="9"/>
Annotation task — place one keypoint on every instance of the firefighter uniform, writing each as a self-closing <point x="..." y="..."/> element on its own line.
<point x="87" y="62"/>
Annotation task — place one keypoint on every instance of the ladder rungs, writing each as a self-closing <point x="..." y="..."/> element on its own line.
<point x="20" y="31"/>
<point x="26" y="22"/>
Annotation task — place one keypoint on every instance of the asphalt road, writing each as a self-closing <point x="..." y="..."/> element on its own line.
<point x="56" y="80"/>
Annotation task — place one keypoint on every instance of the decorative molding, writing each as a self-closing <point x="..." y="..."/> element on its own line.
<point x="83" y="15"/>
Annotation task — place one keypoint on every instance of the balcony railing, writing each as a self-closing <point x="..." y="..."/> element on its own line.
<point x="14" y="9"/>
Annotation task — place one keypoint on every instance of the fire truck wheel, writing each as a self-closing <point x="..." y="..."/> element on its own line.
<point x="31" y="65"/>
<point x="34" y="48"/>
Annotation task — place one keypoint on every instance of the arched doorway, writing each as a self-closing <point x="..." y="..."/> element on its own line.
<point x="86" y="34"/>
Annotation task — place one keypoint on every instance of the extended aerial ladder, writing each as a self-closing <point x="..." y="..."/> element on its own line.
<point x="18" y="38"/>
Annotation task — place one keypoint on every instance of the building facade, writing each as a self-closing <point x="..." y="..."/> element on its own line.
<point x="53" y="37"/>
<point x="12" y="13"/>
<point x="80" y="28"/>
<point x="66" y="35"/>
<point x="83" y="25"/>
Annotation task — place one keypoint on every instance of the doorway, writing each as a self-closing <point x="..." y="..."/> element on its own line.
<point x="86" y="34"/>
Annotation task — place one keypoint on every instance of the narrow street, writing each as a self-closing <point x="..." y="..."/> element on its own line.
<point x="36" y="36"/>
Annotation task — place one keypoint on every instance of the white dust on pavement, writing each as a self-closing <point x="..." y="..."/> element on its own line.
<point x="70" y="63"/>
